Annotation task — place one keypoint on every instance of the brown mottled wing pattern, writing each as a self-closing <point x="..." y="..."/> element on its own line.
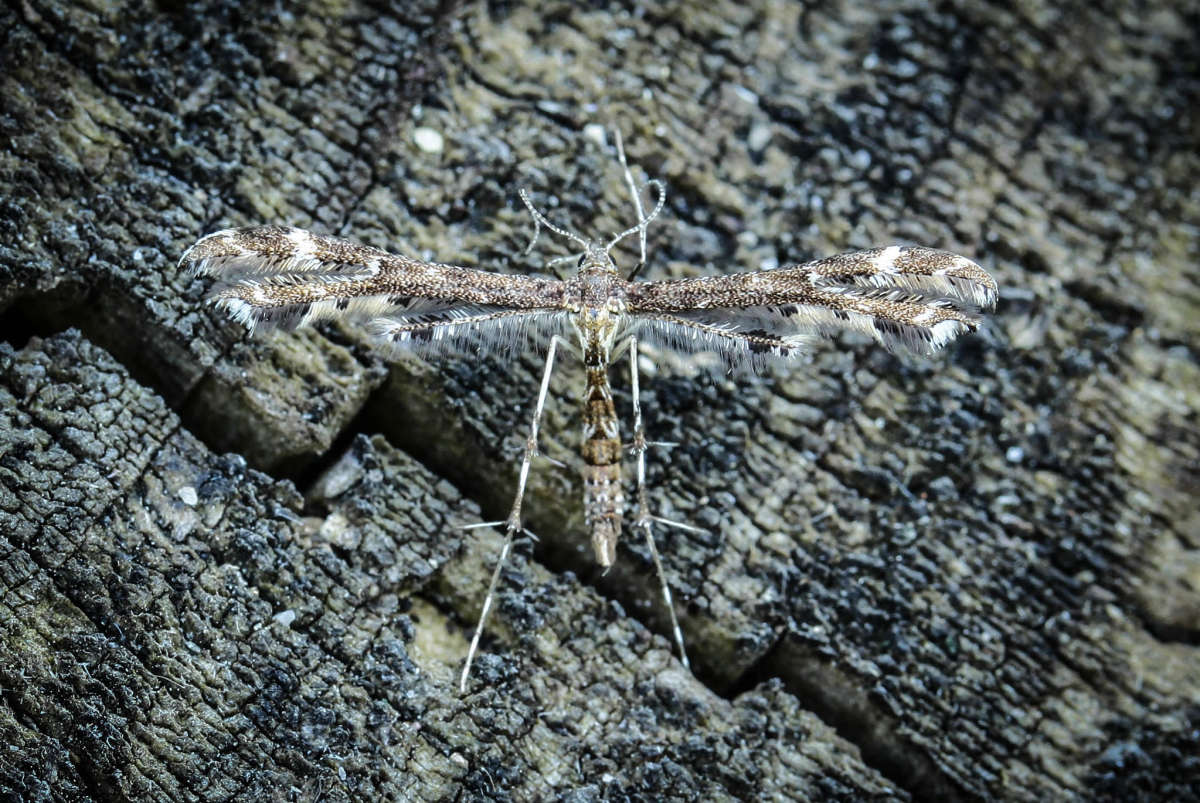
<point x="274" y="276"/>
<point x="908" y="298"/>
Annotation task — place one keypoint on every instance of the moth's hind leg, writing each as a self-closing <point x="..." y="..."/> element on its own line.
<point x="644" y="520"/>
<point x="633" y="191"/>
<point x="512" y="525"/>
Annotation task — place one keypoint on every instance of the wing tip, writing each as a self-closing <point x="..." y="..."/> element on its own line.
<point x="969" y="281"/>
<point x="198" y="257"/>
<point x="246" y="247"/>
<point x="239" y="309"/>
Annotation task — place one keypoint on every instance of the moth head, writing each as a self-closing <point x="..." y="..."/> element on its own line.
<point x="595" y="258"/>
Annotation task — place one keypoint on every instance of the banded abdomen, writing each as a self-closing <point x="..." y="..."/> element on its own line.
<point x="603" y="499"/>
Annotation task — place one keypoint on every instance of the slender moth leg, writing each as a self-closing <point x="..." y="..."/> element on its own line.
<point x="513" y="523"/>
<point x="909" y="298"/>
<point x="637" y="198"/>
<point x="644" y="519"/>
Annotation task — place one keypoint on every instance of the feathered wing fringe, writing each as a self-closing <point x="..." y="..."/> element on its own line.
<point x="468" y="330"/>
<point x="908" y="299"/>
<point x="738" y="346"/>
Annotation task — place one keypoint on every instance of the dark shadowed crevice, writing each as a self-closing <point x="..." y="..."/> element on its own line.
<point x="844" y="702"/>
<point x="39" y="315"/>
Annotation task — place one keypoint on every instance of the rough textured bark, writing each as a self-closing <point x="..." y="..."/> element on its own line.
<point x="983" y="570"/>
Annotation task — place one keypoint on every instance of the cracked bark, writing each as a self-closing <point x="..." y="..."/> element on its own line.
<point x="983" y="570"/>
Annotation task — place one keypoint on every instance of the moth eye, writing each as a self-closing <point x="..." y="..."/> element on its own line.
<point x="582" y="259"/>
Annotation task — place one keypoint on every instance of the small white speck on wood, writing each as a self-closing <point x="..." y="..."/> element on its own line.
<point x="428" y="140"/>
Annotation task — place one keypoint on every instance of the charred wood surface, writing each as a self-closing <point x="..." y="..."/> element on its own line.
<point x="234" y="568"/>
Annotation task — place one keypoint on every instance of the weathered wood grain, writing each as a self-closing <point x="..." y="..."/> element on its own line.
<point x="983" y="569"/>
<point x="176" y="625"/>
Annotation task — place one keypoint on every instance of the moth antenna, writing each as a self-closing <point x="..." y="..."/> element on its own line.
<point x="540" y="219"/>
<point x="645" y="221"/>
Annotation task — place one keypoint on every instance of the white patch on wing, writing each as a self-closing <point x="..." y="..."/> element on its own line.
<point x="304" y="257"/>
<point x="301" y="239"/>
<point x="885" y="260"/>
